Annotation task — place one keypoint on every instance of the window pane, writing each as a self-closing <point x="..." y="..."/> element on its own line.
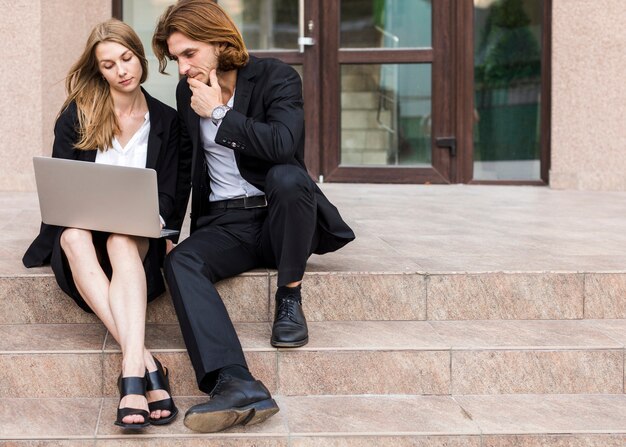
<point x="142" y="15"/>
<point x="507" y="66"/>
<point x="386" y="115"/>
<point x="386" y="23"/>
<point x="265" y="24"/>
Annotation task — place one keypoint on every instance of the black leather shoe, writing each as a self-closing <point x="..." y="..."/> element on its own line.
<point x="289" y="329"/>
<point x="233" y="402"/>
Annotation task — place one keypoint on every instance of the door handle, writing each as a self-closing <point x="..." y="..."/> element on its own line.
<point x="305" y="42"/>
<point x="447" y="142"/>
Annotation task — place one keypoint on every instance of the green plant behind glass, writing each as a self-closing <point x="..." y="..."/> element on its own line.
<point x="508" y="51"/>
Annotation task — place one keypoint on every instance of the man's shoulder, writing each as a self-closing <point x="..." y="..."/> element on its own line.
<point x="263" y="66"/>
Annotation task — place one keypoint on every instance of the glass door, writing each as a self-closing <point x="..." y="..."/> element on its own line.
<point x="386" y="111"/>
<point x="511" y="100"/>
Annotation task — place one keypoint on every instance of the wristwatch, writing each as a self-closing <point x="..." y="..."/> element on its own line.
<point x="219" y="113"/>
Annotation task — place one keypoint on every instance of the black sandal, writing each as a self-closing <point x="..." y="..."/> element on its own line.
<point x="131" y="385"/>
<point x="160" y="380"/>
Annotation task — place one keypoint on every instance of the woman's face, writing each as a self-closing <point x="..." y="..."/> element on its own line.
<point x="119" y="66"/>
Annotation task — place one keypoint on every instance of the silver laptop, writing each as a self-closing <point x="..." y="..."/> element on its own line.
<point x="101" y="197"/>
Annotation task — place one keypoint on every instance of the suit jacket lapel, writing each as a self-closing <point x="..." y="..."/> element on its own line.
<point x="156" y="130"/>
<point x="244" y="87"/>
<point x="243" y="90"/>
<point x="194" y="134"/>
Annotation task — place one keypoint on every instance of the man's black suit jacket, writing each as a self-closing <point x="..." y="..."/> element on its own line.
<point x="162" y="156"/>
<point x="265" y="128"/>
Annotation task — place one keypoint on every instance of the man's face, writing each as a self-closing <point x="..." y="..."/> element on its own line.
<point x="195" y="59"/>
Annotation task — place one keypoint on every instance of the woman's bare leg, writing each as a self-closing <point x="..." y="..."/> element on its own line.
<point x="91" y="281"/>
<point x="93" y="285"/>
<point x="127" y="299"/>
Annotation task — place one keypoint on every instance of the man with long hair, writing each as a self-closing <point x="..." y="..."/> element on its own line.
<point x="253" y="202"/>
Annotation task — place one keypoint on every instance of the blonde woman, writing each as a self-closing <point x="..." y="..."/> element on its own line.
<point x="108" y="118"/>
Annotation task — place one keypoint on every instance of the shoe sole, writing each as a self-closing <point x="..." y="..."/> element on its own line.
<point x="289" y="344"/>
<point x="214" y="421"/>
<point x="132" y="426"/>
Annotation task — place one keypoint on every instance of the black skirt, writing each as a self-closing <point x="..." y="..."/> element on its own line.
<point x="152" y="266"/>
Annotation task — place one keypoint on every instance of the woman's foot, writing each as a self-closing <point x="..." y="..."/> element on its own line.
<point x="160" y="402"/>
<point x="155" y="396"/>
<point x="132" y="412"/>
<point x="134" y="401"/>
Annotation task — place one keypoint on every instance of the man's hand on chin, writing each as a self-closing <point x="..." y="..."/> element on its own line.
<point x="204" y="98"/>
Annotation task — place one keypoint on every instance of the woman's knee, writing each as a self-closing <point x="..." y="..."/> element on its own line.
<point x="121" y="244"/>
<point x="73" y="240"/>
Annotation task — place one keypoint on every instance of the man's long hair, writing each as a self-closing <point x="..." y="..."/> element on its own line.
<point x="202" y="21"/>
<point x="86" y="86"/>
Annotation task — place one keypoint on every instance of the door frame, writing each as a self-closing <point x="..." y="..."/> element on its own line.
<point x="439" y="55"/>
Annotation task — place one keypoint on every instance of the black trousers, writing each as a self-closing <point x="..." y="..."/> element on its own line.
<point x="229" y="242"/>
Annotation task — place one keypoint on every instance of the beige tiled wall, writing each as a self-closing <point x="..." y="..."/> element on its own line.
<point x="41" y="39"/>
<point x="588" y="95"/>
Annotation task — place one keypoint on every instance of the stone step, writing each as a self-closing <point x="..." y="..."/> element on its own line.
<point x="364" y="157"/>
<point x="352" y="100"/>
<point x="365" y="141"/>
<point x="350" y="357"/>
<point x="333" y="294"/>
<point x="349" y="420"/>
<point x="365" y="119"/>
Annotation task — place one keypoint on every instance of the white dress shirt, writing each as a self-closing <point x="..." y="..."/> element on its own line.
<point x="134" y="154"/>
<point x="226" y="180"/>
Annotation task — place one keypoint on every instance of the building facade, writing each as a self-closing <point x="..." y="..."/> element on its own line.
<point x="402" y="91"/>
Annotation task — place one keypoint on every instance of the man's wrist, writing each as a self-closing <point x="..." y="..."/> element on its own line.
<point x="219" y="112"/>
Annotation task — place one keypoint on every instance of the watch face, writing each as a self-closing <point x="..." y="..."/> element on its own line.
<point x="219" y="112"/>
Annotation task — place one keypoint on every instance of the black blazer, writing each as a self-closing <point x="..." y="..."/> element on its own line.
<point x="163" y="141"/>
<point x="265" y="128"/>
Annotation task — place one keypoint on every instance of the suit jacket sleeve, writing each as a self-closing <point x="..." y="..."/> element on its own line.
<point x="276" y="138"/>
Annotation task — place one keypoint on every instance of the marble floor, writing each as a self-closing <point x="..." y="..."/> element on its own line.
<point x="431" y="228"/>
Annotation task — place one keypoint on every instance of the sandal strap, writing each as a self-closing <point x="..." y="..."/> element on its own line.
<point x="132" y="385"/>
<point x="127" y="411"/>
<point x="163" y="404"/>
<point x="157" y="380"/>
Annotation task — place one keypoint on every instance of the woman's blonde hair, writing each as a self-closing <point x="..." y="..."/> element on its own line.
<point x="202" y="21"/>
<point x="86" y="86"/>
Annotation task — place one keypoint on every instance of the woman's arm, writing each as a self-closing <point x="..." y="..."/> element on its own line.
<point x="66" y="134"/>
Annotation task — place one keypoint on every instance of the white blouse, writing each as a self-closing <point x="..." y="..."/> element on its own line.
<point x="134" y="154"/>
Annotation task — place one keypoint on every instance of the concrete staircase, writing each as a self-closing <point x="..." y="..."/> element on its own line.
<point x="398" y="356"/>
